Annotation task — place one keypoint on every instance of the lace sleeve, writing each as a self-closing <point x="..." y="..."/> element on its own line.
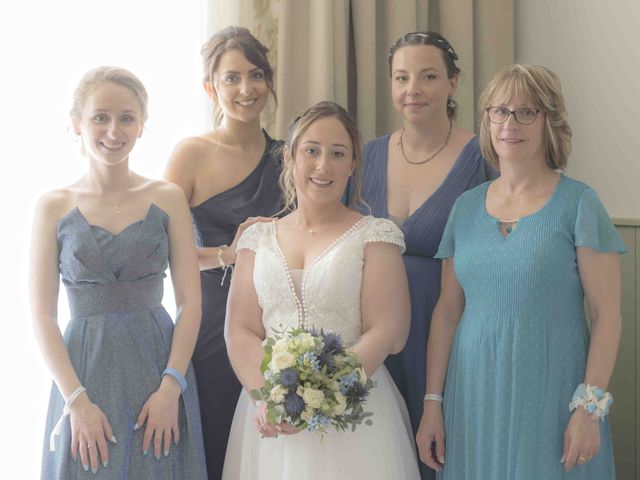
<point x="251" y="236"/>
<point x="383" y="230"/>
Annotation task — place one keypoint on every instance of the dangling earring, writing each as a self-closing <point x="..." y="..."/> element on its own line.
<point x="451" y="103"/>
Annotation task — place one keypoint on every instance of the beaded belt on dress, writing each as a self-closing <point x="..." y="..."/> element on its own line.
<point x="128" y="296"/>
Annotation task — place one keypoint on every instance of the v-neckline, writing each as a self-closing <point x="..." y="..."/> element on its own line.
<point x="95" y="244"/>
<point x="301" y="303"/>
<point x="385" y="174"/>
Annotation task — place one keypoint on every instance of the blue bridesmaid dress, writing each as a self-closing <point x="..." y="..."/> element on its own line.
<point x="521" y="345"/>
<point x="422" y="232"/>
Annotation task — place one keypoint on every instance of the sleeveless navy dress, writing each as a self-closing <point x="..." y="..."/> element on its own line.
<point x="422" y="233"/>
<point x="216" y="221"/>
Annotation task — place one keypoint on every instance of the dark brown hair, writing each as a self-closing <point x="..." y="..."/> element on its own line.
<point x="449" y="55"/>
<point x="235" y="38"/>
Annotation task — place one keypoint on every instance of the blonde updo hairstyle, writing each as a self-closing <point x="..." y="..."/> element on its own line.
<point x="234" y="38"/>
<point x="296" y="129"/>
<point x="99" y="76"/>
<point x="542" y="87"/>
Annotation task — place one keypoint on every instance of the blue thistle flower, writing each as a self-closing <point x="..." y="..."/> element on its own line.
<point x="310" y="358"/>
<point x="332" y="343"/>
<point x="288" y="378"/>
<point x="293" y="405"/>
<point x="346" y="382"/>
<point x="358" y="392"/>
<point x="328" y="360"/>
<point x="318" y="423"/>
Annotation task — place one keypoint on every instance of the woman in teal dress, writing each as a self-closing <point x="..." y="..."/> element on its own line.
<point x="509" y="331"/>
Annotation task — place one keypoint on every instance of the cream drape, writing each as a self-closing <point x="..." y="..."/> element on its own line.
<point x="337" y="50"/>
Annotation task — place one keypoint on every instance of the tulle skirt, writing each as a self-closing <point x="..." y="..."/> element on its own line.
<point x="384" y="450"/>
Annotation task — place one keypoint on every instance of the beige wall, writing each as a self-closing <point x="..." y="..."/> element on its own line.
<point x="594" y="46"/>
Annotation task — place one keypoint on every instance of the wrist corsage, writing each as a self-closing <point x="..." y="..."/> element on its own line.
<point x="593" y="399"/>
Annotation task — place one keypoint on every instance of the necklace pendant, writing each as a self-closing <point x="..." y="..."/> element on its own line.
<point x="509" y="229"/>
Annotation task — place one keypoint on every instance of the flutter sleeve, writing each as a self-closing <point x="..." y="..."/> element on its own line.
<point x="448" y="241"/>
<point x="594" y="228"/>
<point x="251" y="236"/>
<point x="383" y="230"/>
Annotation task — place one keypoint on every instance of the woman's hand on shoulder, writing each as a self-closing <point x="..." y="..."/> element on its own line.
<point x="241" y="229"/>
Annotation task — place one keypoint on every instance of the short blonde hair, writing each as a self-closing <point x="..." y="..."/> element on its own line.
<point x="542" y="87"/>
<point x="297" y="127"/>
<point x="99" y="76"/>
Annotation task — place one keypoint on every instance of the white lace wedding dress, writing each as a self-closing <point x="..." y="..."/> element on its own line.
<point x="328" y="298"/>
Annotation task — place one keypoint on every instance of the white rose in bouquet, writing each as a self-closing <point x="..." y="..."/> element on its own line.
<point x="281" y="360"/>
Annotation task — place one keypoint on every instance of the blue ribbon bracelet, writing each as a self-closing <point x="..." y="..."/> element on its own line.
<point x="178" y="376"/>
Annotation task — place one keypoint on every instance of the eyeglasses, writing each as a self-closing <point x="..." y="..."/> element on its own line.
<point x="524" y="115"/>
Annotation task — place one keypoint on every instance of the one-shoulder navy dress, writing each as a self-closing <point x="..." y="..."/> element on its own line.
<point x="216" y="221"/>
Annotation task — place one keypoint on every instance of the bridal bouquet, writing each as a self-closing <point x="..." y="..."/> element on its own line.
<point x="313" y="382"/>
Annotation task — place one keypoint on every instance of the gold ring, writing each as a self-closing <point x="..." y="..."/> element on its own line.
<point x="89" y="445"/>
<point x="582" y="459"/>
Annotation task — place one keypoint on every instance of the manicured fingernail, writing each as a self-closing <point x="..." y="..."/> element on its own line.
<point x="136" y="426"/>
<point x="441" y="459"/>
<point x="562" y="459"/>
<point x="113" y="439"/>
<point x="145" y="452"/>
<point x="85" y="467"/>
<point x="105" y="463"/>
<point x="166" y="453"/>
<point x="157" y="456"/>
<point x="94" y="470"/>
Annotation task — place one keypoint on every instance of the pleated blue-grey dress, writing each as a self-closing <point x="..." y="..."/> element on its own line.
<point x="521" y="345"/>
<point x="422" y="232"/>
<point x="119" y="339"/>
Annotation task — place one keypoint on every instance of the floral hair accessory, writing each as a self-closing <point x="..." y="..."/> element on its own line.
<point x="593" y="399"/>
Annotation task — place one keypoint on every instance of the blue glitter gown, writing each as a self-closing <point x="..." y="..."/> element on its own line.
<point x="119" y="339"/>
<point x="521" y="346"/>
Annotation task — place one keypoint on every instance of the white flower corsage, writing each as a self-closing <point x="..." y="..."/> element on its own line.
<point x="593" y="399"/>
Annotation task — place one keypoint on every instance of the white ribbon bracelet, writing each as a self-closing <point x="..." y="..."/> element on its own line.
<point x="433" y="396"/>
<point x="65" y="411"/>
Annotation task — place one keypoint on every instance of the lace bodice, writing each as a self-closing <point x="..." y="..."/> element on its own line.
<point x="331" y="284"/>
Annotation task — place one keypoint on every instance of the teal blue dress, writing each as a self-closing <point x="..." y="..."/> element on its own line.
<point x="521" y="345"/>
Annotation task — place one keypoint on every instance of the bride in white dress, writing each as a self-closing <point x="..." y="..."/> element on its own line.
<point x="324" y="266"/>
